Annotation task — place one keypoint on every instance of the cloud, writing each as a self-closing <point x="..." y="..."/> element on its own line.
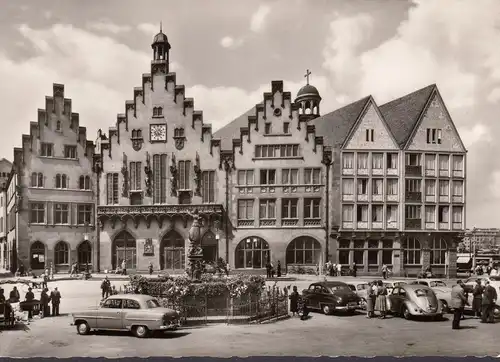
<point x="105" y="25"/>
<point x="149" y="29"/>
<point x="230" y="42"/>
<point x="479" y="132"/>
<point x="494" y="95"/>
<point x="258" y="19"/>
<point x="495" y="184"/>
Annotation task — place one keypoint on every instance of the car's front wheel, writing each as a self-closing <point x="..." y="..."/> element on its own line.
<point x="496" y="312"/>
<point x="445" y="306"/>
<point x="141" y="331"/>
<point x="82" y="328"/>
<point x="326" y="309"/>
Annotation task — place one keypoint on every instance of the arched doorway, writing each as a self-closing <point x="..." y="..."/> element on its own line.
<point x="252" y="252"/>
<point x="210" y="246"/>
<point x="84" y="253"/>
<point x="37" y="255"/>
<point x="172" y="252"/>
<point x="125" y="248"/>
<point x="303" y="250"/>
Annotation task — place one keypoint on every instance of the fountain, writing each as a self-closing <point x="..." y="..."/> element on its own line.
<point x="195" y="252"/>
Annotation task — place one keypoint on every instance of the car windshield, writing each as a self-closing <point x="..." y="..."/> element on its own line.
<point x="340" y="288"/>
<point x="437" y="283"/>
<point x="352" y="287"/>
<point x="363" y="286"/>
<point x="495" y="278"/>
<point x="152" y="303"/>
<point x="422" y="292"/>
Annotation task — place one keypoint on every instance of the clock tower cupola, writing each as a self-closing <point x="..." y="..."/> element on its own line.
<point x="161" y="48"/>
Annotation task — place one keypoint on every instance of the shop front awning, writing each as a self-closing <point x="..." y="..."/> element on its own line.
<point x="463" y="259"/>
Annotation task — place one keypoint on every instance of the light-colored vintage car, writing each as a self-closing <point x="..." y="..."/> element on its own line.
<point x="360" y="287"/>
<point x="138" y="313"/>
<point x="442" y="290"/>
<point x="412" y="300"/>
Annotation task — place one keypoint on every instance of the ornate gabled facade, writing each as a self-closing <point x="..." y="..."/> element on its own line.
<point x="278" y="201"/>
<point x="155" y="168"/>
<point x="50" y="192"/>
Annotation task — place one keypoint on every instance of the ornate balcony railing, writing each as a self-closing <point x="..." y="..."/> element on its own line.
<point x="159" y="209"/>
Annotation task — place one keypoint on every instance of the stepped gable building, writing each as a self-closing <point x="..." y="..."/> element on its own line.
<point x="399" y="183"/>
<point x="50" y="203"/>
<point x="278" y="201"/>
<point x="155" y="168"/>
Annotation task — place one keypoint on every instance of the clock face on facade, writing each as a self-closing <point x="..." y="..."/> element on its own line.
<point x="158" y="132"/>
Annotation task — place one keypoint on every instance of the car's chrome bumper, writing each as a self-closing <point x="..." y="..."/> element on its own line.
<point x="347" y="307"/>
<point x="170" y="327"/>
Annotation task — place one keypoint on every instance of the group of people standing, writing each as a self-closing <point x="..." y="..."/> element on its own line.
<point x="30" y="301"/>
<point x="333" y="269"/>
<point x="376" y="299"/>
<point x="107" y="289"/>
<point x="271" y="271"/>
<point x="483" y="302"/>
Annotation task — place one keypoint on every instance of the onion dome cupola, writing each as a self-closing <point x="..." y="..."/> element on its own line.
<point x="308" y="99"/>
<point x="161" y="47"/>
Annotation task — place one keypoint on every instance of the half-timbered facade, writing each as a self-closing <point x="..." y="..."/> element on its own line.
<point x="154" y="169"/>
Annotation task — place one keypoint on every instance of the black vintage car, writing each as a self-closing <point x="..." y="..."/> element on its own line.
<point x="331" y="296"/>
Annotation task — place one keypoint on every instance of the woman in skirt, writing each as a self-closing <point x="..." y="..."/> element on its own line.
<point x="381" y="302"/>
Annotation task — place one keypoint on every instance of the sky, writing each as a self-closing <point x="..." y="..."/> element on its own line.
<point x="227" y="52"/>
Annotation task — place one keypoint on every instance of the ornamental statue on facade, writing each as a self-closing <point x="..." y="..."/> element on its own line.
<point x="195" y="252"/>
<point x="125" y="176"/>
<point x="197" y="176"/>
<point x="173" y="177"/>
<point x="149" y="174"/>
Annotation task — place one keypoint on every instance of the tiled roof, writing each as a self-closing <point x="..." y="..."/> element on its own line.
<point x="232" y="129"/>
<point x="335" y="126"/>
<point x="403" y="113"/>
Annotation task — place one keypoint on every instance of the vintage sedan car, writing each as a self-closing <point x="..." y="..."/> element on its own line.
<point x="361" y="289"/>
<point x="138" y="313"/>
<point x="412" y="300"/>
<point x="443" y="291"/>
<point x="494" y="282"/>
<point x="331" y="296"/>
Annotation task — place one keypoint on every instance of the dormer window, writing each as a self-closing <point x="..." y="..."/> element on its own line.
<point x="136" y="133"/>
<point x="157" y="111"/>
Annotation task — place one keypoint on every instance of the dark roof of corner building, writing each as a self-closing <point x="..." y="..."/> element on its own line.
<point x="335" y="126"/>
<point x="402" y="114"/>
<point x="5" y="160"/>
<point x="232" y="129"/>
<point x="308" y="90"/>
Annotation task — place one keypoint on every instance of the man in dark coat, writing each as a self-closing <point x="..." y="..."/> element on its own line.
<point x="14" y="296"/>
<point x="458" y="302"/>
<point x="55" y="298"/>
<point x="354" y="270"/>
<point x="105" y="287"/>
<point x="278" y="269"/>
<point x="489" y="301"/>
<point x="29" y="297"/>
<point x="44" y="302"/>
<point x="477" y="302"/>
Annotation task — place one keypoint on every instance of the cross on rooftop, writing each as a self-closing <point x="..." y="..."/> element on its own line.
<point x="308" y="73"/>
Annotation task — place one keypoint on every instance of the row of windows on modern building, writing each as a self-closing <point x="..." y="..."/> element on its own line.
<point x="444" y="165"/>
<point x="417" y="190"/>
<point x="61" y="181"/>
<point x="362" y="216"/>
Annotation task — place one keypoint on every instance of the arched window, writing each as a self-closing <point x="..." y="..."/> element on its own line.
<point x="84" y="182"/>
<point x="438" y="251"/>
<point x="412" y="251"/>
<point x="252" y="252"/>
<point x="58" y="181"/>
<point x="37" y="179"/>
<point x="303" y="250"/>
<point x="125" y="248"/>
<point x="157" y="111"/>
<point x="37" y="255"/>
<point x="61" y="253"/>
<point x="172" y="251"/>
<point x="85" y="253"/>
<point x="64" y="182"/>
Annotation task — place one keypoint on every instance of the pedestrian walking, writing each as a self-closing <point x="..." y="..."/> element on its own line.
<point x="333" y="269"/>
<point x="45" y="277"/>
<point x="55" y="298"/>
<point x="44" y="303"/>
<point x="278" y="269"/>
<point x="354" y="270"/>
<point x="150" y="268"/>
<point x="381" y="301"/>
<point x="124" y="267"/>
<point x="272" y="270"/>
<point x="339" y="270"/>
<point x="51" y="271"/>
<point x="477" y="300"/>
<point x="268" y="270"/>
<point x="384" y="271"/>
<point x="370" y="300"/>
<point x="294" y="301"/>
<point x="105" y="287"/>
<point x="317" y="269"/>
<point x="488" y="303"/>
<point x="29" y="297"/>
<point x="458" y="302"/>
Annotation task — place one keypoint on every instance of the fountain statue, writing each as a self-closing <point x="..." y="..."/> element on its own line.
<point x="195" y="252"/>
